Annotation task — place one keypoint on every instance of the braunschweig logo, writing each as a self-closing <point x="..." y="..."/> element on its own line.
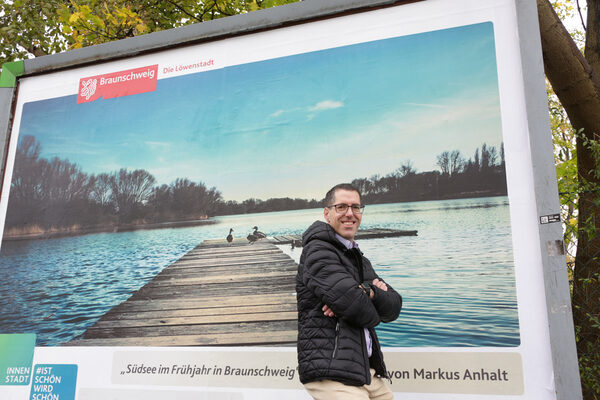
<point x="88" y="88"/>
<point x="117" y="84"/>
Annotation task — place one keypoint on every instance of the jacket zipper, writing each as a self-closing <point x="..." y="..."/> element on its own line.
<point x="379" y="357"/>
<point x="337" y="333"/>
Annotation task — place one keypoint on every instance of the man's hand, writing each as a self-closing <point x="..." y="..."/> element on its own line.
<point x="327" y="311"/>
<point x="376" y="282"/>
<point x="380" y="284"/>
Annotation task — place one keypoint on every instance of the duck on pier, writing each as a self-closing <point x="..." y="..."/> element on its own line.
<point x="230" y="236"/>
<point x="258" y="234"/>
<point x="251" y="238"/>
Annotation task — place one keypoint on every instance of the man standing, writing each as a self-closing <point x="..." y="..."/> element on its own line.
<point x="340" y="301"/>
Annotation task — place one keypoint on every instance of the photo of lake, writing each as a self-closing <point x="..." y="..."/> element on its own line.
<point x="107" y="194"/>
<point x="456" y="277"/>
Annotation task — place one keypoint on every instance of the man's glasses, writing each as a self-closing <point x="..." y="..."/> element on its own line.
<point x="342" y="208"/>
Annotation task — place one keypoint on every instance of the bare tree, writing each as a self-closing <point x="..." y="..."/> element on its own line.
<point x="25" y="186"/>
<point x="130" y="190"/>
<point x="63" y="182"/>
<point x="443" y="161"/>
<point x="457" y="162"/>
<point x="485" y="158"/>
<point x="100" y="189"/>
<point x="406" y="169"/>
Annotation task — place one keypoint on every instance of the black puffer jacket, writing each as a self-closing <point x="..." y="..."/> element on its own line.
<point x="335" y="347"/>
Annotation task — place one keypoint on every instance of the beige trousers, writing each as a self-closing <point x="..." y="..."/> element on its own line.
<point x="332" y="390"/>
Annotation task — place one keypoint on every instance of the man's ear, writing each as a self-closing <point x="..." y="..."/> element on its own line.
<point x="326" y="214"/>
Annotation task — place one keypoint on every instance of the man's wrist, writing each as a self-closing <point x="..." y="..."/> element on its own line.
<point x="368" y="289"/>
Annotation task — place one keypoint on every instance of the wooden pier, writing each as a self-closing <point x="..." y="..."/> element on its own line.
<point x="218" y="294"/>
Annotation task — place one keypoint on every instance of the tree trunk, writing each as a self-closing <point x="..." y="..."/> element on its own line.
<point x="576" y="81"/>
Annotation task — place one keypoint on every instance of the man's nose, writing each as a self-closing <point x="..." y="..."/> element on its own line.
<point x="349" y="210"/>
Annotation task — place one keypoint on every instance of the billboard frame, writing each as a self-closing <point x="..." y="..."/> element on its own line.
<point x="558" y="304"/>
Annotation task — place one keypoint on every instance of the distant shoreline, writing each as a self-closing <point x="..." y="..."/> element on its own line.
<point x="68" y="232"/>
<point x="77" y="231"/>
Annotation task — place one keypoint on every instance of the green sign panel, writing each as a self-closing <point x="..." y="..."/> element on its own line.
<point x="16" y="358"/>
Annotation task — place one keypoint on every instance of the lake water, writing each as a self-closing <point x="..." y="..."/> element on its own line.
<point x="456" y="277"/>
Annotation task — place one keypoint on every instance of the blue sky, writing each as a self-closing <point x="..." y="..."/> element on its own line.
<point x="292" y="126"/>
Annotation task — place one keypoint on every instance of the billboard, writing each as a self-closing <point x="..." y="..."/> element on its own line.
<point x="125" y="180"/>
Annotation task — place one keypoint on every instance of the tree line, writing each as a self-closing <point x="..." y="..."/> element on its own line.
<point x="55" y="193"/>
<point x="483" y="174"/>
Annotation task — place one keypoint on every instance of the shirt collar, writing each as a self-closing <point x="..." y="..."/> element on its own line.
<point x="349" y="244"/>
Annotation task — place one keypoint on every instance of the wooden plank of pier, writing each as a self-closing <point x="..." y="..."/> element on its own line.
<point x="215" y="295"/>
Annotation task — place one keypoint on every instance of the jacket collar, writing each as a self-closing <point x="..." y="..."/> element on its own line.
<point x="347" y="243"/>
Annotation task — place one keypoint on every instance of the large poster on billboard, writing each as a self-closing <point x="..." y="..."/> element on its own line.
<point x="139" y="190"/>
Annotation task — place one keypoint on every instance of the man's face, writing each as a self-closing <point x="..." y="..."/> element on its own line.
<point x="345" y="224"/>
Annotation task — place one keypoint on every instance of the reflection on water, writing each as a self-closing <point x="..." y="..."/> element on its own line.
<point x="456" y="277"/>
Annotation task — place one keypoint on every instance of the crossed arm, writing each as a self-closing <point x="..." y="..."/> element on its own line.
<point x="376" y="282"/>
<point x="343" y="296"/>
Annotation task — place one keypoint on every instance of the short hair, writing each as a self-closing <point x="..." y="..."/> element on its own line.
<point x="330" y="196"/>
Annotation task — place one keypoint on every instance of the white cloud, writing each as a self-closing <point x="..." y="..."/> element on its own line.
<point x="157" y="145"/>
<point x="320" y="106"/>
<point x="426" y="105"/>
<point x="326" y="105"/>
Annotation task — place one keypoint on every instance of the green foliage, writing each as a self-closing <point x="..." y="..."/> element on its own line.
<point x="31" y="28"/>
<point x="571" y="186"/>
<point x="588" y="346"/>
<point x="593" y="145"/>
<point x="586" y="186"/>
<point x="565" y="158"/>
<point x="564" y="9"/>
<point x="96" y="22"/>
<point x="569" y="10"/>
<point x="589" y="355"/>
